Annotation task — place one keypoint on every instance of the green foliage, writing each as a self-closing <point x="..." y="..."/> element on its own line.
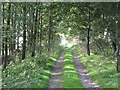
<point x="104" y="70"/>
<point x="80" y="47"/>
<point x="30" y="73"/>
<point x="43" y="24"/>
<point x="71" y="78"/>
<point x="101" y="46"/>
<point x="101" y="69"/>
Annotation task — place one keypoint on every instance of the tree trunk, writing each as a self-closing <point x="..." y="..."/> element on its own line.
<point x="6" y="39"/>
<point x="24" y="34"/>
<point x="18" y="32"/>
<point x="49" y="31"/>
<point x="88" y="42"/>
<point x="35" y="32"/>
<point x="14" y="25"/>
<point x="117" y="54"/>
<point x="88" y="35"/>
<point x="98" y="46"/>
<point x="1" y="36"/>
<point x="3" y="32"/>
<point x="32" y="32"/>
<point x="18" y="39"/>
<point x="41" y="29"/>
<point x="114" y="45"/>
<point x="12" y="32"/>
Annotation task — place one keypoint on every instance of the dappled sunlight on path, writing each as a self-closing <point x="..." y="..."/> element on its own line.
<point x="57" y="77"/>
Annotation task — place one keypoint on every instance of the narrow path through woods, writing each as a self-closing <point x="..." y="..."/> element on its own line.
<point x="55" y="80"/>
<point x="86" y="80"/>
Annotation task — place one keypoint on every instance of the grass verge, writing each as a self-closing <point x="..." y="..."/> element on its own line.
<point x="30" y="73"/>
<point x="101" y="69"/>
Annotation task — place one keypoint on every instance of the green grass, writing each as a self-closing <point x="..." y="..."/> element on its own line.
<point x="71" y="78"/>
<point x="30" y="73"/>
<point x="101" y="69"/>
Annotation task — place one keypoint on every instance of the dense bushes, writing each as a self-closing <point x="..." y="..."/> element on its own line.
<point x="29" y="73"/>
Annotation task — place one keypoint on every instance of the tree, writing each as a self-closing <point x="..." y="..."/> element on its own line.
<point x="117" y="54"/>
<point x="24" y="33"/>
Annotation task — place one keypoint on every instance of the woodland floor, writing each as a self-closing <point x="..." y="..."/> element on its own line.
<point x="56" y="78"/>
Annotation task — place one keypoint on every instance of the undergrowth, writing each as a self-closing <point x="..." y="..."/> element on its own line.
<point x="29" y="73"/>
<point x="100" y="68"/>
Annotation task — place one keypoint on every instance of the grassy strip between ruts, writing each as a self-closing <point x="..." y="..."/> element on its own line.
<point x="71" y="78"/>
<point x="101" y="69"/>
